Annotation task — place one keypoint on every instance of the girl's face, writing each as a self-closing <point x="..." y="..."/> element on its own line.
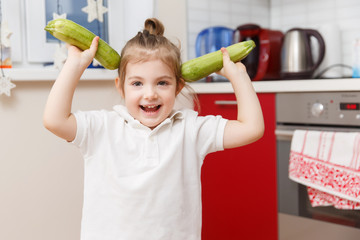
<point x="149" y="91"/>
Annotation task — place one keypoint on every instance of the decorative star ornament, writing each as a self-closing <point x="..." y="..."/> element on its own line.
<point x="5" y="34"/>
<point x="57" y="16"/>
<point x="6" y="85"/>
<point x="60" y="56"/>
<point x="95" y="10"/>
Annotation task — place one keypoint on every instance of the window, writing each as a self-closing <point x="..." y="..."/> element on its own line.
<point x="41" y="45"/>
<point x="75" y="11"/>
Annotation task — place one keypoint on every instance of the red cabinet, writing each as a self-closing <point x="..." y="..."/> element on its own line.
<point x="239" y="185"/>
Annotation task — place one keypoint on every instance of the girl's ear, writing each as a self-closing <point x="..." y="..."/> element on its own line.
<point x="118" y="87"/>
<point x="180" y="86"/>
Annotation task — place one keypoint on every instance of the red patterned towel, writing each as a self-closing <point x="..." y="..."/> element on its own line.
<point x="329" y="164"/>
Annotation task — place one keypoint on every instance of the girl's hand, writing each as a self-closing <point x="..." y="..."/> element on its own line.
<point x="82" y="58"/>
<point x="230" y="69"/>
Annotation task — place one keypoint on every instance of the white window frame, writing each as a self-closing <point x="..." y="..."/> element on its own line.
<point x="40" y="51"/>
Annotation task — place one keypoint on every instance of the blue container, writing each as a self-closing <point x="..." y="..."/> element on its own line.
<point x="212" y="39"/>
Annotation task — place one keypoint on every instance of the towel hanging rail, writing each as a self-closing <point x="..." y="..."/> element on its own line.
<point x="282" y="134"/>
<point x="286" y="134"/>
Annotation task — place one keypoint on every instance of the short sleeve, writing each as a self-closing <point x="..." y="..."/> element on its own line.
<point x="80" y="128"/>
<point x="90" y="127"/>
<point x="208" y="133"/>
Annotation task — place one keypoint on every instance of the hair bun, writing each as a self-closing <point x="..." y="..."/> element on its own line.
<point x="154" y="26"/>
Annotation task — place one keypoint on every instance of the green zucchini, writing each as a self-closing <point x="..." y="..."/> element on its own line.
<point x="203" y="66"/>
<point x="75" y="34"/>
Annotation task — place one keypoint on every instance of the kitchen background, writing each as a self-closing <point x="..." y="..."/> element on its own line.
<point x="41" y="175"/>
<point x="330" y="17"/>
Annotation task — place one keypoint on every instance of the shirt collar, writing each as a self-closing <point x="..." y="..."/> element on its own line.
<point x="123" y="112"/>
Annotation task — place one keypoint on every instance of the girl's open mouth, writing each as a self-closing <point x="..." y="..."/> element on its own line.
<point x="150" y="109"/>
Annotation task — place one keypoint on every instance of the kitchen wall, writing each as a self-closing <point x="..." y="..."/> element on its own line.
<point x="173" y="14"/>
<point x="41" y="176"/>
<point x="327" y="16"/>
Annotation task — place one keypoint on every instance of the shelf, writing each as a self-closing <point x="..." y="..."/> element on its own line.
<point x="50" y="74"/>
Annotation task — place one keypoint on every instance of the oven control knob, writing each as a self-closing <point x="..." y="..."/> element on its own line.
<point x="317" y="109"/>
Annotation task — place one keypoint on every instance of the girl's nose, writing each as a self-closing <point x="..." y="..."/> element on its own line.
<point x="150" y="93"/>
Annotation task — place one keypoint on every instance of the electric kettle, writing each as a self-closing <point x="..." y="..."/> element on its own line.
<point x="297" y="57"/>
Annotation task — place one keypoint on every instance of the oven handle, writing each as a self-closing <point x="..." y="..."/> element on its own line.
<point x="282" y="134"/>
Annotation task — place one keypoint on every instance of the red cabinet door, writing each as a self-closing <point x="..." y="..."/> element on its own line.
<point x="239" y="185"/>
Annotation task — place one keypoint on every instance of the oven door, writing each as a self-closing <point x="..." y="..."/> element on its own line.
<point x="292" y="197"/>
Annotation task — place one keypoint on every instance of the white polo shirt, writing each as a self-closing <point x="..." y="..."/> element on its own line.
<point x="142" y="183"/>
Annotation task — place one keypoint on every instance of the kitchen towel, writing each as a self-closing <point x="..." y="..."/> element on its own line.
<point x="328" y="163"/>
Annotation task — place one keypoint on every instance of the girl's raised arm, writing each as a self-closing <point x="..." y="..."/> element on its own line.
<point x="249" y="125"/>
<point x="57" y="116"/>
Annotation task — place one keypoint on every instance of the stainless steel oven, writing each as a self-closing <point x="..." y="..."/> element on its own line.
<point x="333" y="111"/>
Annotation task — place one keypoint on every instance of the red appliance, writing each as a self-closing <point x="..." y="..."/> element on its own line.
<point x="264" y="61"/>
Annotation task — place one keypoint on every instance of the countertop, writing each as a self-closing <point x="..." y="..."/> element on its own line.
<point x="265" y="86"/>
<point x="309" y="85"/>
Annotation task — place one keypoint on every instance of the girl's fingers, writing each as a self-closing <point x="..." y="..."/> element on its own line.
<point x="94" y="44"/>
<point x="225" y="53"/>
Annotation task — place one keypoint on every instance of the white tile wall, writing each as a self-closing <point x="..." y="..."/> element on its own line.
<point x="281" y="15"/>
<point x="343" y="15"/>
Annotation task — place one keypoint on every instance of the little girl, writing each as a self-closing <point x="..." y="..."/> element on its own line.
<point x="143" y="160"/>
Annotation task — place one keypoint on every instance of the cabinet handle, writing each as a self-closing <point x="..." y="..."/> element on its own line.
<point x="225" y="102"/>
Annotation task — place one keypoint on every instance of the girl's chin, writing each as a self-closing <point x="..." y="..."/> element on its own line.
<point x="150" y="125"/>
<point x="151" y="122"/>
